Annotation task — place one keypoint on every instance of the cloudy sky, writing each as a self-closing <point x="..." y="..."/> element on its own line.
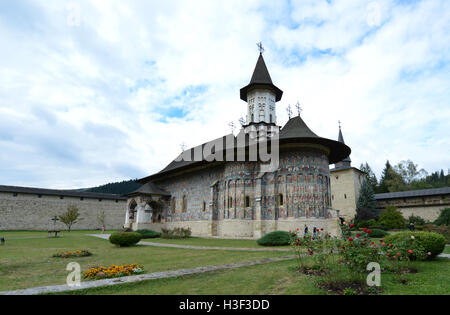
<point x="99" y="91"/>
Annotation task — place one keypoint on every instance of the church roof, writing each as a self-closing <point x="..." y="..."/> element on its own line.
<point x="296" y="131"/>
<point x="149" y="189"/>
<point x="261" y="79"/>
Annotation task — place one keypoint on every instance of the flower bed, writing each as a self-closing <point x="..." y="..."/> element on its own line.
<point x="76" y="253"/>
<point x="113" y="271"/>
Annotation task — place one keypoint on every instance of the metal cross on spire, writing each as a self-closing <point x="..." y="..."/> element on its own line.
<point x="232" y="126"/>
<point x="339" y="122"/>
<point x="299" y="108"/>
<point x="260" y="47"/>
<point x="242" y="121"/>
<point x="183" y="146"/>
<point x="289" y="111"/>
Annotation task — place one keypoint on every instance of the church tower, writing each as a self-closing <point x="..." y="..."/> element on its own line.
<point x="261" y="96"/>
<point x="347" y="162"/>
<point x="346" y="182"/>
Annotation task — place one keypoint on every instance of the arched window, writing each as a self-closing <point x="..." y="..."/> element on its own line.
<point x="247" y="201"/>
<point x="204" y="206"/>
<point x="271" y="118"/>
<point x="174" y="205"/>
<point x="230" y="202"/>
<point x="184" y="205"/>
<point x="132" y="209"/>
<point x="280" y="200"/>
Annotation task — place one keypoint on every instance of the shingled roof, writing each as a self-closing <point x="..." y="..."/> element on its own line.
<point x="149" y="188"/>
<point x="261" y="79"/>
<point x="414" y="193"/>
<point x="57" y="192"/>
<point x="296" y="131"/>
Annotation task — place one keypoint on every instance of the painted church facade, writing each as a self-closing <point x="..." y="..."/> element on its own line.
<point x="242" y="198"/>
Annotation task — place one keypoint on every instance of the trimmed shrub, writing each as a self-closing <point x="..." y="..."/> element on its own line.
<point x="366" y="223"/>
<point x="391" y="218"/>
<point x="276" y="238"/>
<point x="378" y="233"/>
<point x="176" y="233"/>
<point x="416" y="220"/>
<point x="430" y="241"/>
<point x="444" y="217"/>
<point x="443" y="230"/>
<point x="148" y="233"/>
<point x="124" y="239"/>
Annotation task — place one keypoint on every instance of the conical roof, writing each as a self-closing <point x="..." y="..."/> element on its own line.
<point x="341" y="140"/>
<point x="296" y="131"/>
<point x="261" y="79"/>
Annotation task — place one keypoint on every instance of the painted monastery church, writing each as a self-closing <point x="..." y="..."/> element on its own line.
<point x="243" y="197"/>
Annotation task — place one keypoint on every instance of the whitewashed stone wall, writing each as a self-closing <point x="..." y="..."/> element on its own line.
<point x="31" y="212"/>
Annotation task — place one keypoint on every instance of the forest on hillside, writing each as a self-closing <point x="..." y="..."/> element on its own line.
<point x="119" y="188"/>
<point x="405" y="176"/>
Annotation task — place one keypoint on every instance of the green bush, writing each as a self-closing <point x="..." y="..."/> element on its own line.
<point x="391" y="218"/>
<point x="443" y="230"/>
<point x="366" y="223"/>
<point x="378" y="233"/>
<point x="148" y="233"/>
<point x="276" y="238"/>
<point x="176" y="233"/>
<point x="416" y="220"/>
<point x="430" y="241"/>
<point x="124" y="239"/>
<point x="444" y="217"/>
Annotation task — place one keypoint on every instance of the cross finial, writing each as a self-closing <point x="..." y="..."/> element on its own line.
<point x="299" y="108"/>
<point x="183" y="146"/>
<point x="242" y="121"/>
<point x="231" y="124"/>
<point x="339" y="124"/>
<point x="289" y="111"/>
<point x="260" y="47"/>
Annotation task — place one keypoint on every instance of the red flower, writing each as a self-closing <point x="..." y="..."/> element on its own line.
<point x="350" y="239"/>
<point x="390" y="245"/>
<point x="398" y="254"/>
<point x="381" y="240"/>
<point x="363" y="243"/>
<point x="358" y="235"/>
<point x="365" y="230"/>
<point x="369" y="231"/>
<point x="297" y="229"/>
<point x="352" y="225"/>
<point x="410" y="251"/>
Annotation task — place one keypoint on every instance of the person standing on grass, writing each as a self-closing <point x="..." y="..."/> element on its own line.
<point x="314" y="232"/>
<point x="411" y="226"/>
<point x="103" y="229"/>
<point x="306" y="230"/>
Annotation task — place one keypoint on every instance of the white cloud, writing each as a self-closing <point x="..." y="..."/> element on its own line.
<point x="81" y="106"/>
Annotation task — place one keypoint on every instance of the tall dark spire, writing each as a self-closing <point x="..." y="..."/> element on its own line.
<point x="347" y="162"/>
<point x="261" y="79"/>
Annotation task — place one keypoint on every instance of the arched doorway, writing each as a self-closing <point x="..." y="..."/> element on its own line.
<point x="132" y="210"/>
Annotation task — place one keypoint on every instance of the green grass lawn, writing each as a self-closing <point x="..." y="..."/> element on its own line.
<point x="447" y="249"/>
<point x="26" y="258"/>
<point x="198" y="241"/>
<point x="279" y="278"/>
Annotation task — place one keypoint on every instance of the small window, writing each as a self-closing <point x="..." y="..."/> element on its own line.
<point x="204" y="206"/>
<point x="184" y="205"/>
<point x="81" y="198"/>
<point x="337" y="177"/>
<point x="61" y="197"/>
<point x="230" y="202"/>
<point x="332" y="197"/>
<point x="100" y="200"/>
<point x="117" y="201"/>
<point x="174" y="204"/>
<point x="280" y="200"/>
<point x="345" y="196"/>
<point x="15" y="194"/>
<point x="39" y="196"/>
<point x="247" y="201"/>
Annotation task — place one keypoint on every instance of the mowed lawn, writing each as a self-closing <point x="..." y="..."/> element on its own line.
<point x="279" y="278"/>
<point x="212" y="242"/>
<point x="26" y="258"/>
